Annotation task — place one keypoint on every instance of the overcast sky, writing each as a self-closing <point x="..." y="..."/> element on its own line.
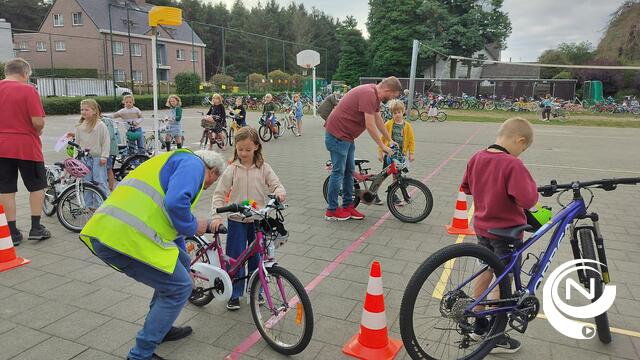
<point x="537" y="25"/>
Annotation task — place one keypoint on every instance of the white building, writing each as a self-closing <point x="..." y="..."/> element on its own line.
<point x="6" y="42"/>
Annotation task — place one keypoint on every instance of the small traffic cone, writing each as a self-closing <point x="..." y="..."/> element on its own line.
<point x="8" y="258"/>
<point x="460" y="223"/>
<point x="373" y="341"/>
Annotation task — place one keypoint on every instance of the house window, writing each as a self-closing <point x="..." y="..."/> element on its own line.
<point x="60" y="46"/>
<point x="136" y="50"/>
<point x="77" y="18"/>
<point x="23" y="46"/>
<point x="118" y="48"/>
<point x="58" y="20"/>
<point x="40" y="46"/>
<point x="137" y="76"/>
<point x="194" y="56"/>
<point x="180" y="54"/>
<point x="118" y="75"/>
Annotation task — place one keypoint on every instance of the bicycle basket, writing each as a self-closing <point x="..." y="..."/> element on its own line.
<point x="133" y="135"/>
<point x="75" y="168"/>
<point x="207" y="123"/>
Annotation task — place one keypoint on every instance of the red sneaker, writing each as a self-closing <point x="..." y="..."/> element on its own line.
<point x="339" y="214"/>
<point x="355" y="214"/>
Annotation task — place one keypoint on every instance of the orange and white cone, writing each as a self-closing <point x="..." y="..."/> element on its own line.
<point x="373" y="341"/>
<point x="460" y="223"/>
<point x="8" y="258"/>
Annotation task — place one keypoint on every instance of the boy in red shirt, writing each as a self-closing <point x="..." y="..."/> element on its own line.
<point x="502" y="188"/>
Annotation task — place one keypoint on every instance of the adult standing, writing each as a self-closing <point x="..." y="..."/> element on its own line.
<point x="358" y="110"/>
<point x="21" y="125"/>
<point x="328" y="104"/>
<point x="140" y="231"/>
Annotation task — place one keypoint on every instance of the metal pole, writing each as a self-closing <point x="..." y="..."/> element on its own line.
<point x="113" y="64"/>
<point x="106" y="66"/>
<point x="412" y="76"/>
<point x="284" y="59"/>
<point x="129" y="41"/>
<point x="267" y="42"/>
<point x="314" y="91"/>
<point x="53" y="79"/>
<point x="224" y="44"/>
<point x="154" y="65"/>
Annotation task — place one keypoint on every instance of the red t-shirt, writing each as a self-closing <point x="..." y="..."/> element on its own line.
<point x="346" y="121"/>
<point x="502" y="188"/>
<point x="18" y="138"/>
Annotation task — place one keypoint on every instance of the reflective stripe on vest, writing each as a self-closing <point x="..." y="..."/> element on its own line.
<point x="134" y="221"/>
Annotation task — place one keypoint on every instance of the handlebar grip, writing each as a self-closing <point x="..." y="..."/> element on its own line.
<point x="73" y="144"/>
<point x="230" y="208"/>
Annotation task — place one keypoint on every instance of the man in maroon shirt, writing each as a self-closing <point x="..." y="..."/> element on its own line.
<point x="21" y="125"/>
<point x="502" y="188"/>
<point x="358" y="110"/>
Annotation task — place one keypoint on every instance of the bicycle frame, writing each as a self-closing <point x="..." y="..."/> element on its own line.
<point x="561" y="222"/>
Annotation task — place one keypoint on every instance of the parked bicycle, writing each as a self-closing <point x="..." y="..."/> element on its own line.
<point x="213" y="132"/>
<point x="409" y="200"/>
<point x="68" y="195"/>
<point x="279" y="304"/>
<point x="438" y="316"/>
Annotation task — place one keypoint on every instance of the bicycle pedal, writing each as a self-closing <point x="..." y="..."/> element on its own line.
<point x="518" y="322"/>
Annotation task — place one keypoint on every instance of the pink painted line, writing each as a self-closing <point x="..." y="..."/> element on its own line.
<point x="252" y="339"/>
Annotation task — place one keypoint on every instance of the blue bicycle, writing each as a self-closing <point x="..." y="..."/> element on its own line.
<point x="445" y="315"/>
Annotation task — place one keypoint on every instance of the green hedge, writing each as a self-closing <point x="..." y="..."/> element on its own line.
<point x="66" y="73"/>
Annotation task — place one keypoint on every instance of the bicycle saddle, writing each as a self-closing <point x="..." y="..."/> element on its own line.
<point x="122" y="146"/>
<point x="512" y="233"/>
<point x="360" y="161"/>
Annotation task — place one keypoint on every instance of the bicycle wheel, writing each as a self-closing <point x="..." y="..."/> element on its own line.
<point x="279" y="129"/>
<point x="489" y="106"/>
<point x="414" y="114"/>
<point x="48" y="205"/>
<point x="424" y="116"/>
<point x="198" y="297"/>
<point x="265" y="133"/>
<point x="223" y="138"/>
<point x="433" y="320"/>
<point x="149" y="143"/>
<point x="288" y="325"/>
<point x="204" y="140"/>
<point x="232" y="133"/>
<point x="75" y="209"/>
<point x="409" y="200"/>
<point x="325" y="192"/>
<point x="588" y="252"/>
<point x="129" y="164"/>
<point x="442" y="116"/>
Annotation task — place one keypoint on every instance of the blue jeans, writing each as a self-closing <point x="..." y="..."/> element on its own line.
<point x="239" y="236"/>
<point x="132" y="149"/>
<point x="98" y="174"/>
<point x="171" y="294"/>
<point x="342" y="157"/>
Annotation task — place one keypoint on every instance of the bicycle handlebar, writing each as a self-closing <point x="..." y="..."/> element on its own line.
<point x="606" y="184"/>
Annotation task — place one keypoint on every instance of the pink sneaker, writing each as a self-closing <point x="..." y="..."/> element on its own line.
<point x="339" y="214"/>
<point x="355" y="214"/>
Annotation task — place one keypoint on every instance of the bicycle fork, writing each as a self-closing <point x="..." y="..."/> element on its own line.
<point x="599" y="241"/>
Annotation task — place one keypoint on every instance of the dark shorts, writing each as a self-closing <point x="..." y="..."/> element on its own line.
<point x="498" y="247"/>
<point x="33" y="173"/>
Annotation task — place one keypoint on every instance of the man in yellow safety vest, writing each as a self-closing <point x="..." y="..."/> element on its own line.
<point x="140" y="229"/>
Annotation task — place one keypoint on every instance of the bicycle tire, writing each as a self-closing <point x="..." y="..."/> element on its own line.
<point x="49" y="207"/>
<point x="325" y="191"/>
<point x="588" y="252"/>
<point x="204" y="140"/>
<point x="419" y="186"/>
<point x="306" y="309"/>
<point x="414" y="114"/>
<point x="420" y="276"/>
<point x="69" y="193"/>
<point x="489" y="106"/>
<point x="424" y="116"/>
<point x="279" y="129"/>
<point x="265" y="133"/>
<point x="223" y="135"/>
<point x="231" y="134"/>
<point x="442" y="116"/>
<point x="129" y="164"/>
<point x="193" y="245"/>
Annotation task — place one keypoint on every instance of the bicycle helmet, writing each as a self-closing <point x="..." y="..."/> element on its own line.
<point x="133" y="135"/>
<point x="75" y="168"/>
<point x="538" y="216"/>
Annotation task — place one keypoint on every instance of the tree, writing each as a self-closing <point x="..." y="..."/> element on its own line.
<point x="24" y="14"/>
<point x="463" y="27"/>
<point x="187" y="83"/>
<point x="612" y="80"/>
<point x="353" y="53"/>
<point x="566" y="54"/>
<point x="279" y="80"/>
<point x="552" y="56"/>
<point x="222" y="82"/>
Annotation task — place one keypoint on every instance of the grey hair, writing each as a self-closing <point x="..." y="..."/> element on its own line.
<point x="212" y="160"/>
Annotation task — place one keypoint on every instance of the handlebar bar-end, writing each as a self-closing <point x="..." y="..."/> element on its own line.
<point x="230" y="208"/>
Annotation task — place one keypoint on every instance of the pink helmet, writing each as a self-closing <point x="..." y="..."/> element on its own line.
<point x="75" y="168"/>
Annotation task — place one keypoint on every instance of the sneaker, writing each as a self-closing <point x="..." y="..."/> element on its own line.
<point x="339" y="214"/>
<point x="16" y="238"/>
<point x="39" y="233"/>
<point x="377" y="201"/>
<point x="506" y="345"/>
<point x="233" y="304"/>
<point x="177" y="333"/>
<point x="153" y="357"/>
<point x="480" y="329"/>
<point x="355" y="214"/>
<point x="261" y="300"/>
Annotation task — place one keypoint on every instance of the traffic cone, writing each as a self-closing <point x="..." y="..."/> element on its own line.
<point x="373" y="341"/>
<point x="460" y="223"/>
<point x="8" y="258"/>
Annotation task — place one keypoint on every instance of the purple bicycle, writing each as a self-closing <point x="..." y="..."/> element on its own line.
<point x="279" y="303"/>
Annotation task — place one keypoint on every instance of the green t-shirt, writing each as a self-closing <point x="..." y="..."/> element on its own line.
<point x="268" y="107"/>
<point x="396" y="134"/>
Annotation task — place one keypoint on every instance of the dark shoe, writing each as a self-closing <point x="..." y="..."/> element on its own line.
<point x="480" y="329"/>
<point x="233" y="304"/>
<point x="39" y="233"/>
<point x="506" y="345"/>
<point x="261" y="300"/>
<point x="177" y="333"/>
<point x="155" y="357"/>
<point x="16" y="238"/>
<point x="377" y="201"/>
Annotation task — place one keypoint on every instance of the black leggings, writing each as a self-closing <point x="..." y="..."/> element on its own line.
<point x="546" y="111"/>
